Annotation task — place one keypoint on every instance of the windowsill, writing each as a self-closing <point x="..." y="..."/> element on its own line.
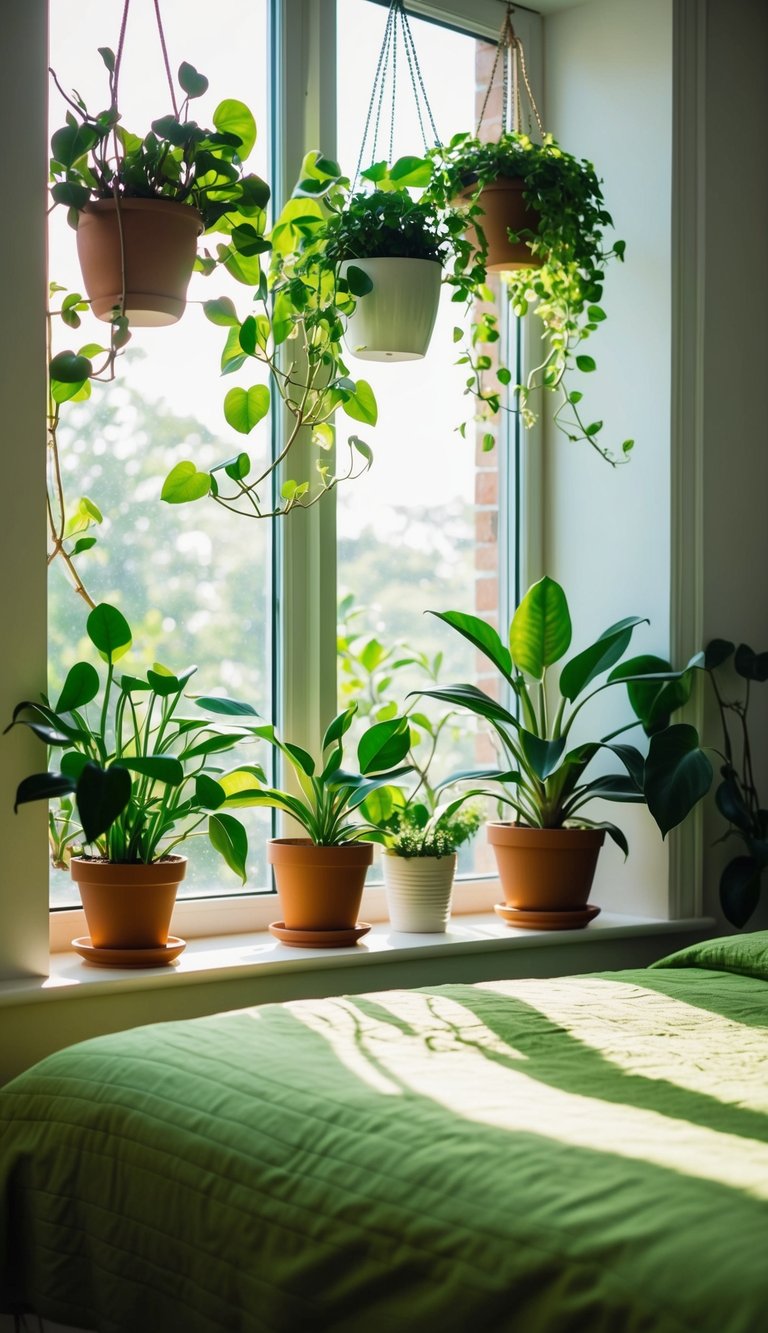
<point x="257" y="953"/>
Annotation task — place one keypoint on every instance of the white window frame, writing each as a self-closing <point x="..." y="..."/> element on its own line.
<point x="303" y="41"/>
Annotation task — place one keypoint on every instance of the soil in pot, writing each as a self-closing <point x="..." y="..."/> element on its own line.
<point x="503" y="210"/>
<point x="160" y="243"/>
<point x="320" y="888"/>
<point x="128" y="906"/>
<point x="394" y="321"/>
<point x="545" y="869"/>
<point x="419" y="890"/>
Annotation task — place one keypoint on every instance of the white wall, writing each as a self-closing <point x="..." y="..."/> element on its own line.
<point x="608" y="97"/>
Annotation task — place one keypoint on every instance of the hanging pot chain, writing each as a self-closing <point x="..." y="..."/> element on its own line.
<point x="509" y="48"/>
<point x="163" y="47"/>
<point x="397" y="25"/>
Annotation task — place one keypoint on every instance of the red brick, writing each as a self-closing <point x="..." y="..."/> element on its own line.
<point x="486" y="556"/>
<point x="487" y="487"/>
<point x="486" y="525"/>
<point x="487" y="593"/>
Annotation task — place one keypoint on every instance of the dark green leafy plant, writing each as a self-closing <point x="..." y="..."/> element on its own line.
<point x="412" y="830"/>
<point x="96" y="157"/>
<point x="736" y="795"/>
<point x="143" y="777"/>
<point x="544" y="778"/>
<point x="386" y="224"/>
<point x="565" y="292"/>
<point x="331" y="795"/>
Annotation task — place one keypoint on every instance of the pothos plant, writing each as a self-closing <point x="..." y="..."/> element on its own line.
<point x="94" y="156"/>
<point x="564" y="292"/>
<point x="293" y="335"/>
<point x="136" y="775"/>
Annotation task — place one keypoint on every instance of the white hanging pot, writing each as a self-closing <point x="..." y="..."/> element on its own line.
<point x="419" y="890"/>
<point x="394" y="321"/>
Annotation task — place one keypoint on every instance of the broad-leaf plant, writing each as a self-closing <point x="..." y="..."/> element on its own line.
<point x="544" y="778"/>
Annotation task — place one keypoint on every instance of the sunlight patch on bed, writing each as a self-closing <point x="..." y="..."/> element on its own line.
<point x="447" y="1055"/>
<point x="645" y="1032"/>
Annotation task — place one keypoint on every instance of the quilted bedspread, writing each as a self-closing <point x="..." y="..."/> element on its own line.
<point x="578" y="1155"/>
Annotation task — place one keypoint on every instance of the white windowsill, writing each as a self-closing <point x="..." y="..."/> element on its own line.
<point x="258" y="953"/>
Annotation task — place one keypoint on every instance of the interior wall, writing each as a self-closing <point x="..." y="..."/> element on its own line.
<point x="735" y="354"/>
<point x="608" y="98"/>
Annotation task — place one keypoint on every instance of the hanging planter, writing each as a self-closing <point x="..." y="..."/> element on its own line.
<point x="532" y="211"/>
<point x="139" y="204"/>
<point x="395" y="319"/>
<point x="156" y="255"/>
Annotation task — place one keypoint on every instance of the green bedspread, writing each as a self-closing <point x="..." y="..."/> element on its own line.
<point x="577" y="1155"/>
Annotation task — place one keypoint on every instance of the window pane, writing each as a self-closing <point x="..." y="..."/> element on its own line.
<point x="193" y="581"/>
<point x="421" y="531"/>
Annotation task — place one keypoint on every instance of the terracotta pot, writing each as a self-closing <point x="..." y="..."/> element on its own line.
<point x="419" y="890"/>
<point x="320" y="888"/>
<point x="394" y="322"/>
<point x="545" y="869"/>
<point x="504" y="209"/>
<point x="128" y="906"/>
<point x="160" y="240"/>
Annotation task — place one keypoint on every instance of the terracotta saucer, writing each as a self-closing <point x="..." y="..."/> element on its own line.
<point x="318" y="939"/>
<point x="129" y="957"/>
<point x="562" y="920"/>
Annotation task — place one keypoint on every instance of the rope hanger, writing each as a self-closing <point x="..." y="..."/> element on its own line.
<point x="514" y="78"/>
<point x="119" y="56"/>
<point x="397" y="26"/>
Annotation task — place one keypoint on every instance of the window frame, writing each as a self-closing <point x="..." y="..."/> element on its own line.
<point x="303" y="53"/>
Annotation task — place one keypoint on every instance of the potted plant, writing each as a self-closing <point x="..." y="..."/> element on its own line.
<point x="536" y="213"/>
<point x="140" y="203"/>
<point x="390" y="248"/>
<point x="419" y="862"/>
<point x="142" y="780"/>
<point x="320" y="877"/>
<point x="547" y="856"/>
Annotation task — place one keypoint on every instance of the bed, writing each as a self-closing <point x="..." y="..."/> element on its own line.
<point x="576" y="1155"/>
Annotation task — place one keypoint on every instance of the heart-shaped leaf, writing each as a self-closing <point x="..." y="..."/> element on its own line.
<point x="102" y="795"/>
<point x="184" y="483"/>
<point x="233" y="117"/>
<point x="109" y="631"/>
<point x="80" y="687"/>
<point x="245" y="408"/>
<point x="192" y="82"/>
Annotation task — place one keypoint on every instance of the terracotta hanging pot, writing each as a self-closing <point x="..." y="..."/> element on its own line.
<point x="544" y="870"/>
<point x="160" y="243"/>
<point x="320" y="888"/>
<point x="128" y="906"/>
<point x="419" y="890"/>
<point x="394" y="321"/>
<point x="503" y="210"/>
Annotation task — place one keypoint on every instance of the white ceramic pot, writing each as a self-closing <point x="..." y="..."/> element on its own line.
<point x="394" y="322"/>
<point x="419" y="891"/>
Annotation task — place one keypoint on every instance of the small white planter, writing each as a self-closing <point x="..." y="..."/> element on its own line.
<point x="394" y="322"/>
<point x="419" y="891"/>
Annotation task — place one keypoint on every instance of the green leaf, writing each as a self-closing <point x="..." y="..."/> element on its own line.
<point x="655" y="699"/>
<point x="586" y="363"/>
<point x="233" y="117"/>
<point x="191" y="82"/>
<point x="245" y="408"/>
<point x="221" y="311"/>
<point x="108" y="56"/>
<point x="215" y="703"/>
<point x="740" y="890"/>
<point x="80" y="687"/>
<point x="43" y="787"/>
<point x="214" y="744"/>
<point x="209" y="793"/>
<point x="109" y="632"/>
<point x="159" y="767"/>
<point x="102" y="795"/>
<point x="716" y="652"/>
<point x="248" y="241"/>
<point x="677" y="775"/>
<point x="599" y="657"/>
<point x="184" y="483"/>
<point x="233" y="356"/>
<point x="339" y="726"/>
<point x="230" y="840"/>
<point x="541" y="628"/>
<point x="474" y="700"/>
<point x="482" y="636"/>
<point x="70" y="368"/>
<point x="361" y="404"/>
<point x="300" y="759"/>
<point x="411" y="172"/>
<point x="542" y="755"/>
<point x="358" y="281"/>
<point x="383" y="745"/>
